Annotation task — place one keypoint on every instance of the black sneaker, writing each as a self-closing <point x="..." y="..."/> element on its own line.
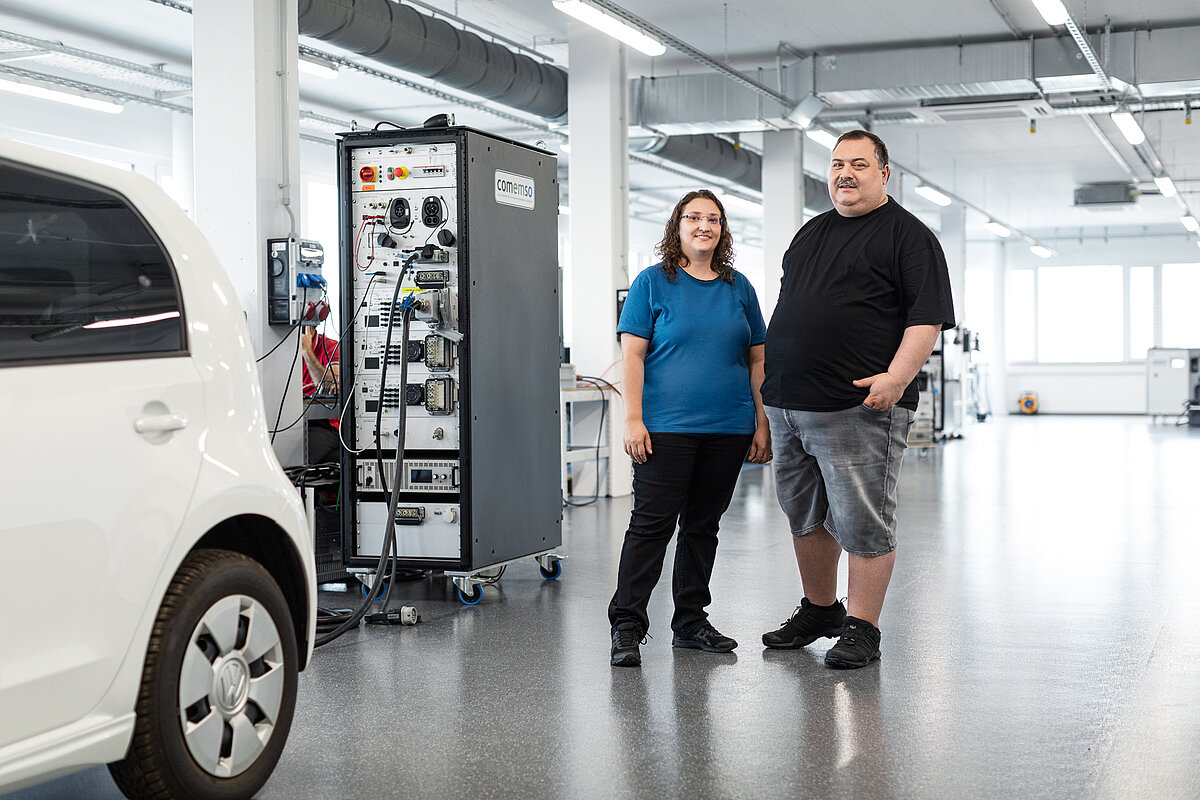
<point x="806" y="625"/>
<point x="626" y="639"/>
<point x="706" y="637"/>
<point x="858" y="646"/>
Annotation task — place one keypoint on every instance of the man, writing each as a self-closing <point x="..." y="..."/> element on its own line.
<point x="320" y="361"/>
<point x="864" y="296"/>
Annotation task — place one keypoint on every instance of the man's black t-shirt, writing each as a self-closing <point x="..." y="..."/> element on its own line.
<point x="851" y="285"/>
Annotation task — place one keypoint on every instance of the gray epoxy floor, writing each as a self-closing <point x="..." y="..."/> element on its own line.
<point x="1040" y="640"/>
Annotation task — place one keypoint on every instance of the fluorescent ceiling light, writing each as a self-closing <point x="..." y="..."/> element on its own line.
<point x="616" y="28"/>
<point x="564" y="147"/>
<point x="933" y="195"/>
<point x="740" y="202"/>
<point x="823" y="138"/>
<point x="1053" y="11"/>
<point x="1041" y="252"/>
<point x="61" y="96"/>
<point x="998" y="229"/>
<point x="318" y="68"/>
<point x="1190" y="223"/>
<point x="1166" y="186"/>
<point x="1132" y="132"/>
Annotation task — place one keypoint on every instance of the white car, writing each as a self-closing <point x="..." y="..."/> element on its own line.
<point x="157" y="584"/>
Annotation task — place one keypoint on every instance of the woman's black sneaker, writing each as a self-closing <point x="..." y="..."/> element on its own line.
<point x="626" y="639"/>
<point x="806" y="625"/>
<point x="707" y="638"/>
<point x="858" y="646"/>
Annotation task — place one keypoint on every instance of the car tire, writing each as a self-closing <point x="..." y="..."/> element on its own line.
<point x="218" y="687"/>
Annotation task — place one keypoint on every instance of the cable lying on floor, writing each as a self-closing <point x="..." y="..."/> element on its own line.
<point x="331" y="625"/>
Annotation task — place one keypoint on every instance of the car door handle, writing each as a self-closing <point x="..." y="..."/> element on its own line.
<point x="159" y="423"/>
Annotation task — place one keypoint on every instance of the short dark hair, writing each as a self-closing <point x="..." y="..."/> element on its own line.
<point x="670" y="249"/>
<point x="881" y="154"/>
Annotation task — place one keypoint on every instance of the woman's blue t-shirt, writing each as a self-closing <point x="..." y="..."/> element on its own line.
<point x="697" y="361"/>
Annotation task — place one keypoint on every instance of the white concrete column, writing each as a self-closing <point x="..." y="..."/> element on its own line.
<point x="997" y="340"/>
<point x="953" y="236"/>
<point x="783" y="206"/>
<point x="247" y="143"/>
<point x="599" y="200"/>
<point x="183" y="166"/>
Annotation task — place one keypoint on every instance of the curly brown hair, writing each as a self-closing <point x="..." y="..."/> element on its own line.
<point x="670" y="249"/>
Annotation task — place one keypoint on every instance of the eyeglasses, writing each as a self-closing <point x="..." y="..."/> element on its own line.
<point x="697" y="219"/>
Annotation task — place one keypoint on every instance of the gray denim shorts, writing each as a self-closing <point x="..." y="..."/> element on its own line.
<point x="840" y="469"/>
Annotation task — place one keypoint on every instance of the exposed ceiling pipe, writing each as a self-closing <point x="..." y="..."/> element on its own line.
<point x="708" y="154"/>
<point x="402" y="37"/>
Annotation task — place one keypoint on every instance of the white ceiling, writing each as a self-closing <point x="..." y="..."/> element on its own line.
<point x="1024" y="179"/>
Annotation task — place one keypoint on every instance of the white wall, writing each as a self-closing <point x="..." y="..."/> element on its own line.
<point x="1110" y="388"/>
<point x="140" y="135"/>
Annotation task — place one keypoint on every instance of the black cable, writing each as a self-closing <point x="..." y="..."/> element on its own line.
<point x="388" y="122"/>
<point x="590" y="378"/>
<point x="287" y="385"/>
<point x="342" y="623"/>
<point x="261" y="358"/>
<point x="308" y="402"/>
<point x="492" y="580"/>
<point x="599" y="438"/>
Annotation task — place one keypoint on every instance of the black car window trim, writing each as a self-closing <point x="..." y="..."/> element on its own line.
<point x="119" y="201"/>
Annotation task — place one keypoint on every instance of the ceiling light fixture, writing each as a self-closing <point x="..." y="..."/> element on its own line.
<point x="821" y="137"/>
<point x="1190" y="223"/>
<point x="1128" y="126"/>
<point x="62" y="95"/>
<point x="740" y="202"/>
<point x="933" y="195"/>
<point x="317" y="67"/>
<point x="1000" y="230"/>
<point x="1041" y="252"/>
<point x="1053" y="11"/>
<point x="1166" y="185"/>
<point x="614" y="27"/>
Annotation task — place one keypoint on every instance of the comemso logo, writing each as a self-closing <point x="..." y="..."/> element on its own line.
<point x="514" y="190"/>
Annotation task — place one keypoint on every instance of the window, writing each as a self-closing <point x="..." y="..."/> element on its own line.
<point x="977" y="309"/>
<point x="81" y="276"/>
<point x="1180" y="300"/>
<point x="1076" y="311"/>
<point x="321" y="225"/>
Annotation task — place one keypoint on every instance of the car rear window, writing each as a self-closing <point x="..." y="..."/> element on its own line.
<point x="82" y="277"/>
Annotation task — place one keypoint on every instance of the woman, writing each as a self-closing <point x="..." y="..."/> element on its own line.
<point x="692" y="337"/>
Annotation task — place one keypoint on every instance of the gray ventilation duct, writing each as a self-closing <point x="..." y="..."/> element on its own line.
<point x="717" y="157"/>
<point x="710" y="155"/>
<point x="402" y="37"/>
<point x="406" y="39"/>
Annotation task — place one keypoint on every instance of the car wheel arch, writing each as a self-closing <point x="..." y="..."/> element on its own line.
<point x="262" y="540"/>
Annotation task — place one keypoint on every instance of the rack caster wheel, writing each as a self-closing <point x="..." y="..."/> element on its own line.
<point x="471" y="597"/>
<point x="366" y="590"/>
<point x="553" y="572"/>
